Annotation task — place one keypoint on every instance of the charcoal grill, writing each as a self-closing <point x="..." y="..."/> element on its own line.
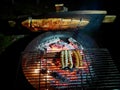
<point x="99" y="73"/>
<point x="48" y="76"/>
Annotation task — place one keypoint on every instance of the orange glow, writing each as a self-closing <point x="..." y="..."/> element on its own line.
<point x="54" y="24"/>
<point x="42" y="70"/>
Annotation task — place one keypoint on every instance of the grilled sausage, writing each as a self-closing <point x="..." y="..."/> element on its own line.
<point x="62" y="59"/>
<point x="70" y="59"/>
<point x="76" y="58"/>
<point x="80" y="58"/>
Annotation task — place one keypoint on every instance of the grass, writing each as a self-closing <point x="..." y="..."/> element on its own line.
<point x="7" y="40"/>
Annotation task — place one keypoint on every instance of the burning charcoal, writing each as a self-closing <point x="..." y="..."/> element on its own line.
<point x="71" y="69"/>
<point x="64" y="79"/>
<point x="58" y="76"/>
<point x="66" y="68"/>
<point x="55" y="75"/>
<point x="78" y="72"/>
<point x="43" y="71"/>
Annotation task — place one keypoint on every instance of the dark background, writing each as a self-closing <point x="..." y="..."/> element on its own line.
<point x="107" y="35"/>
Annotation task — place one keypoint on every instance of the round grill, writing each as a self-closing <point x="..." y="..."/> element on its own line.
<point x="43" y="67"/>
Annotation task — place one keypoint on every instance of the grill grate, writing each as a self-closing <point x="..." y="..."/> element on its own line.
<point x="100" y="73"/>
<point x="107" y="75"/>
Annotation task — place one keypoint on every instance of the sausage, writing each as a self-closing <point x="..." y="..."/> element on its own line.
<point x="62" y="59"/>
<point x="76" y="58"/>
<point x="70" y="59"/>
<point x="80" y="58"/>
<point x="66" y="58"/>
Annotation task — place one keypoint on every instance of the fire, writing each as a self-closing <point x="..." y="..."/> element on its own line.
<point x="50" y="70"/>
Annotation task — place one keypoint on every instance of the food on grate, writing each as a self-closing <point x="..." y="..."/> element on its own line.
<point x="56" y="69"/>
<point x="62" y="59"/>
<point x="52" y="24"/>
<point x="76" y="59"/>
<point x="66" y="58"/>
<point x="80" y="57"/>
<point x="71" y="58"/>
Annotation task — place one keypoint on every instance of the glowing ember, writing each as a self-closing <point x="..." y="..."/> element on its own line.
<point x="62" y="64"/>
<point x="57" y="45"/>
<point x="51" y="72"/>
